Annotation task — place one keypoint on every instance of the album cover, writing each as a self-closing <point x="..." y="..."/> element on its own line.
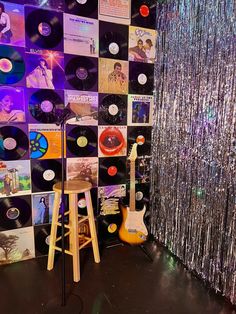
<point x="47" y="4"/>
<point x="12" y="108"/>
<point x="16" y="245"/>
<point x="80" y="35"/>
<point x="83" y="169"/>
<point x="142" y="169"/>
<point x="45" y="141"/>
<point x="15" y="178"/>
<point x="142" y="44"/>
<point x="112" y="109"/>
<point x="45" y="69"/>
<point x="112" y="141"/>
<point x="140" y="109"/>
<point x="113" y="76"/>
<point x="84" y="105"/>
<point x="87" y="8"/>
<point x="109" y="199"/>
<point x="12" y="65"/>
<point x="142" y="136"/>
<point x="12" y="24"/>
<point x="42" y="207"/>
<point x="112" y="170"/>
<point x="115" y="11"/>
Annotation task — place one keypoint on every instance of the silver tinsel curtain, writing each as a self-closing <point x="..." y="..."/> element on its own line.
<point x="194" y="138"/>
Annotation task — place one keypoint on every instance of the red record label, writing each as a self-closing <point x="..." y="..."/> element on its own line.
<point x="112" y="171"/>
<point x="144" y="10"/>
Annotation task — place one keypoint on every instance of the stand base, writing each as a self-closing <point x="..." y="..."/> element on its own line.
<point x="146" y="252"/>
<point x="73" y="304"/>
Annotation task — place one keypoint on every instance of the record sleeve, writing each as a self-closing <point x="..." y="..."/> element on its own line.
<point x="42" y="207"/>
<point x="143" y="13"/>
<point x="115" y="11"/>
<point x="15" y="212"/>
<point x="81" y="73"/>
<point x="81" y="141"/>
<point x="88" y="8"/>
<point x="109" y="197"/>
<point x="142" y="169"/>
<point x="112" y="109"/>
<point x="42" y="239"/>
<point x="44" y="29"/>
<point x="112" y="170"/>
<point x="141" y="136"/>
<point x="108" y="227"/>
<point x="113" y="41"/>
<point x="14" y="143"/>
<point x="141" y="78"/>
<point x="112" y="141"/>
<point x="12" y="65"/>
<point x="140" y="110"/>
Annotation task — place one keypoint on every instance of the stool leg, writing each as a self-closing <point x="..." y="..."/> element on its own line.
<point x="53" y="234"/>
<point x="92" y="227"/>
<point x="74" y="235"/>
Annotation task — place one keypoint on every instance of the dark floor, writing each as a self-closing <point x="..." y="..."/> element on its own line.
<point x="125" y="282"/>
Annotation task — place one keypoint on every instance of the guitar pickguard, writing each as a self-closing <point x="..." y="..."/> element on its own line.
<point x="134" y="222"/>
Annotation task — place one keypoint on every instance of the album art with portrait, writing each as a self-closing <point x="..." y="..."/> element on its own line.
<point x="15" y="178"/>
<point x="113" y="76"/>
<point x="84" y="106"/>
<point x="80" y="35"/>
<point x="140" y="109"/>
<point x="142" y="44"/>
<point x="109" y="198"/>
<point x="12" y="104"/>
<point x="42" y="206"/>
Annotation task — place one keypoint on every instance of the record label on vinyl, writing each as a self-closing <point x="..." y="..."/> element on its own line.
<point x="113" y="109"/>
<point x="141" y="136"/>
<point x="48" y="175"/>
<point x="143" y="13"/>
<point x="9" y="143"/>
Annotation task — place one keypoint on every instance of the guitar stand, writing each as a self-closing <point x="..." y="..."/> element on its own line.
<point x="146" y="252"/>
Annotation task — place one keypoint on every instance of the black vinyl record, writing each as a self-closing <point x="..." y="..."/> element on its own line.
<point x="113" y="41"/>
<point x="44" y="28"/>
<point x="82" y="73"/>
<point x="141" y="136"/>
<point x="82" y="141"/>
<point x="12" y="66"/>
<point x="46" y="106"/>
<point x="87" y="8"/>
<point x="14" y="143"/>
<point x="141" y="78"/>
<point x="15" y="213"/>
<point x="44" y="174"/>
<point x="143" y="13"/>
<point x="108" y="226"/>
<point x="42" y="238"/>
<point x="113" y="109"/>
<point x="112" y="170"/>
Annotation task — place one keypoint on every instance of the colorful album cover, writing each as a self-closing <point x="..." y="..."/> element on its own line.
<point x="140" y="109"/>
<point x="15" y="178"/>
<point x="83" y="169"/>
<point x="113" y="76"/>
<point x="80" y="35"/>
<point x="12" y="108"/>
<point x="45" y="141"/>
<point x="142" y="44"/>
<point x="12" y="24"/>
<point x="142" y="169"/>
<point x="84" y="105"/>
<point x="47" y="4"/>
<point x="45" y="69"/>
<point x="109" y="198"/>
<point x="115" y="11"/>
<point x="112" y="141"/>
<point x="42" y="206"/>
<point x="16" y="245"/>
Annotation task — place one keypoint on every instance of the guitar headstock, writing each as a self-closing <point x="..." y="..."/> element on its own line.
<point x="133" y="154"/>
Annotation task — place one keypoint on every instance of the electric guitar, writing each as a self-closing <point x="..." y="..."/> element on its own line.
<point x="133" y="229"/>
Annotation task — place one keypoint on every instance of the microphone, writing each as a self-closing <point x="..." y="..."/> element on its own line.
<point x="66" y="114"/>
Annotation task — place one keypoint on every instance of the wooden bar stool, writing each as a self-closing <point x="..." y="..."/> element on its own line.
<point x="72" y="188"/>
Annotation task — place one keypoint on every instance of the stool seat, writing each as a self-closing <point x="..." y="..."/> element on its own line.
<point x="73" y="186"/>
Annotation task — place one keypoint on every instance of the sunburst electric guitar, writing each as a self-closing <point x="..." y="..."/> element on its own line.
<point x="133" y="229"/>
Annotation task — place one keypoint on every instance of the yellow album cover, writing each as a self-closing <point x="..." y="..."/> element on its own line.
<point x="113" y="76"/>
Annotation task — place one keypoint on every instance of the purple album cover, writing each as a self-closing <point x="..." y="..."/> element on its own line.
<point x="12" y="24"/>
<point x="44" y="69"/>
<point x="108" y="197"/>
<point x="12" y="108"/>
<point x="47" y="4"/>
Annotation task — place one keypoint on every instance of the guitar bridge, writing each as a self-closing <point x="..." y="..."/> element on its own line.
<point x="132" y="230"/>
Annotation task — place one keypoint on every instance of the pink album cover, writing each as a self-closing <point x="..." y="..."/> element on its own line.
<point x="12" y="24"/>
<point x="115" y="11"/>
<point x="109" y="198"/>
<point x="112" y="141"/>
<point x="85" y="168"/>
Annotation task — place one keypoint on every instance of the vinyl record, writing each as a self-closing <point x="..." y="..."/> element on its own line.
<point x="113" y="109"/>
<point x="42" y="238"/>
<point x="112" y="171"/>
<point x="15" y="213"/>
<point x="14" y="143"/>
<point x="113" y="41"/>
<point x="44" y="28"/>
<point x="82" y="73"/>
<point x="143" y="13"/>
<point x="44" y="174"/>
<point x="87" y="8"/>
<point x="141" y="78"/>
<point x="108" y="226"/>
<point x="38" y="145"/>
<point x="82" y="141"/>
<point x="82" y="206"/>
<point x="141" y="136"/>
<point x="46" y="106"/>
<point x="12" y="66"/>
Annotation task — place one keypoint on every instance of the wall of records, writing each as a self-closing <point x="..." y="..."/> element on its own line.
<point x="97" y="56"/>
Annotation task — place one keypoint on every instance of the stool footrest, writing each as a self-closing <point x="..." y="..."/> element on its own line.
<point x="65" y="213"/>
<point x="60" y="249"/>
<point x="85" y="243"/>
<point x="59" y="224"/>
<point x="82" y="219"/>
<point x="65" y="235"/>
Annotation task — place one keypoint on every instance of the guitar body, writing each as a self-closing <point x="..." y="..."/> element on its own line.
<point x="133" y="229"/>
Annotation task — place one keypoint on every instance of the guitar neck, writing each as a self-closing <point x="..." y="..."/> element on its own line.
<point x="132" y="186"/>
